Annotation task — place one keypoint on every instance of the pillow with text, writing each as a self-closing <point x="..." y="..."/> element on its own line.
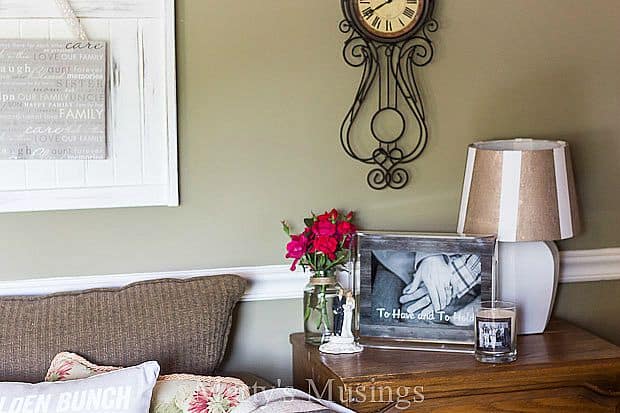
<point x="124" y="391"/>
<point x="175" y="393"/>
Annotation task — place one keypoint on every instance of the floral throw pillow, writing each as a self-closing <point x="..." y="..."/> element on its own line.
<point x="175" y="393"/>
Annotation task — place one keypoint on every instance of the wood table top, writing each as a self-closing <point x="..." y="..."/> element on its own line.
<point x="562" y="345"/>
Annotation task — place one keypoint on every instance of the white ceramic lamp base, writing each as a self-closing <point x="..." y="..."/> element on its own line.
<point x="528" y="276"/>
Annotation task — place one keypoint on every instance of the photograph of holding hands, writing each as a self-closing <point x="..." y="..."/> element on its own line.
<point x="423" y="287"/>
<point x="439" y="287"/>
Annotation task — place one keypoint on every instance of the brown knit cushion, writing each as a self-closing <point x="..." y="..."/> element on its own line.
<point x="182" y="324"/>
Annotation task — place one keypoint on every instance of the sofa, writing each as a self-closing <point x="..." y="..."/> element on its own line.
<point x="182" y="324"/>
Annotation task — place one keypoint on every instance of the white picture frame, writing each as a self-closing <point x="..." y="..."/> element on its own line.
<point x="142" y="166"/>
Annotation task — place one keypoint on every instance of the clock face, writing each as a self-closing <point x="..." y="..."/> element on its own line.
<point x="388" y="19"/>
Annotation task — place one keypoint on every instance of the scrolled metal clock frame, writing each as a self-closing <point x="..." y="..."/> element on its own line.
<point x="390" y="64"/>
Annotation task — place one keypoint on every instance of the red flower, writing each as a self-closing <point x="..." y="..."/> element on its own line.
<point x="347" y="242"/>
<point x="346" y="228"/>
<point x="296" y="248"/>
<point x="329" y="216"/>
<point x="324" y="228"/>
<point x="326" y="245"/>
<point x="329" y="234"/>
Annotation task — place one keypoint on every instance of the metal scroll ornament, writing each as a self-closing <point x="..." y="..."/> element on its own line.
<point x="397" y="122"/>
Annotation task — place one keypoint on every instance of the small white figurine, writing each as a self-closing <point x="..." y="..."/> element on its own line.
<point x="343" y="342"/>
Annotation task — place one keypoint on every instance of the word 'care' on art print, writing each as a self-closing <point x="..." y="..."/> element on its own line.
<point x="52" y="99"/>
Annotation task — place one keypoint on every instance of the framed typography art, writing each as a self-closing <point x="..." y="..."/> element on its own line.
<point x="52" y="99"/>
<point x="88" y="98"/>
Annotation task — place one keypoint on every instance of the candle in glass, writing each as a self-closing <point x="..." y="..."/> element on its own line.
<point x="496" y="335"/>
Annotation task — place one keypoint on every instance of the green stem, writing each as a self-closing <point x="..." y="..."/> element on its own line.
<point x="308" y="311"/>
<point x="323" y="322"/>
<point x="324" y="288"/>
<point x="320" y="323"/>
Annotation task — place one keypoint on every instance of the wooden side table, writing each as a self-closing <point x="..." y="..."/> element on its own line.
<point x="566" y="369"/>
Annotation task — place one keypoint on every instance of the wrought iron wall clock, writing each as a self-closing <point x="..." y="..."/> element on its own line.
<point x="388" y="39"/>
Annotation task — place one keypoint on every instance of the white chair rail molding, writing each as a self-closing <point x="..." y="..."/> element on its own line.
<point x="277" y="282"/>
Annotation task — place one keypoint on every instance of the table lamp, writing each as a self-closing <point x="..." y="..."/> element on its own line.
<point x="523" y="190"/>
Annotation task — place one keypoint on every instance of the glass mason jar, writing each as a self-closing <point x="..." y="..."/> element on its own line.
<point x="319" y="295"/>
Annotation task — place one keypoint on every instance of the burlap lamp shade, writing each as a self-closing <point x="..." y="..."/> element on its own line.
<point x="522" y="190"/>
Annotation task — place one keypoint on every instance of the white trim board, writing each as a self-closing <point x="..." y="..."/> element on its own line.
<point x="276" y="282"/>
<point x="269" y="282"/>
<point x="590" y="265"/>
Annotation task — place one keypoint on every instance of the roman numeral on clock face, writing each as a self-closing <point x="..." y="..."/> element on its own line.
<point x="389" y="19"/>
<point x="376" y="23"/>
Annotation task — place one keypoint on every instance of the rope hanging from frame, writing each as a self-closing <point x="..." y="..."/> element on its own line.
<point x="72" y="20"/>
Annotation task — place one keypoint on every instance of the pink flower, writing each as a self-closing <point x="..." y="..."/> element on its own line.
<point x="324" y="228"/>
<point x="296" y="248"/>
<point x="60" y="372"/>
<point x="217" y="398"/>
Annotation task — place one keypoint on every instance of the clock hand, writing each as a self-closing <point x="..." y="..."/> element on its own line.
<point x="381" y="5"/>
<point x="372" y="11"/>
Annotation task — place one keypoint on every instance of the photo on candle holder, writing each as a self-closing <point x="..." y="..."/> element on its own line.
<point x="425" y="287"/>
<point x="494" y="334"/>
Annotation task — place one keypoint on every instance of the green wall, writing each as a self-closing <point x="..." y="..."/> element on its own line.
<point x="592" y="306"/>
<point x="262" y="92"/>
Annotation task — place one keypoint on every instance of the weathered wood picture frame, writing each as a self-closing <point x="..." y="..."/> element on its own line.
<point x="387" y="267"/>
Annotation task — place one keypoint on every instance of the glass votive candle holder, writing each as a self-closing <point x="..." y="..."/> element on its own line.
<point x="496" y="335"/>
